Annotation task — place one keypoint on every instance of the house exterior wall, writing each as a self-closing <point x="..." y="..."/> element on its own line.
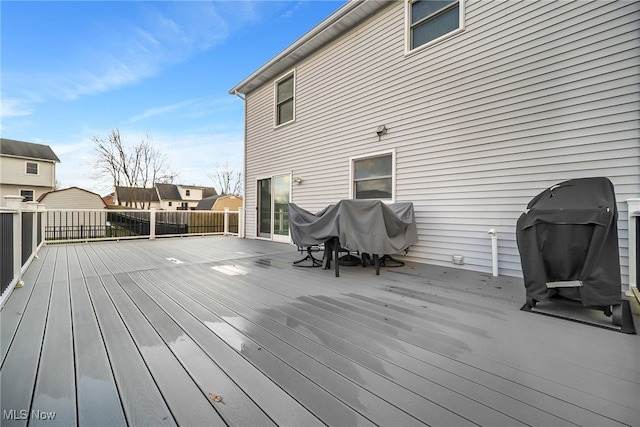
<point x="164" y="205"/>
<point x="13" y="177"/>
<point x="194" y="193"/>
<point x="73" y="198"/>
<point x="528" y="95"/>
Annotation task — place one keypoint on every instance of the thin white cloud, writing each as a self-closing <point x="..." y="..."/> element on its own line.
<point x="12" y="107"/>
<point x="159" y="34"/>
<point x="190" y="109"/>
<point x="151" y="112"/>
<point x="292" y="11"/>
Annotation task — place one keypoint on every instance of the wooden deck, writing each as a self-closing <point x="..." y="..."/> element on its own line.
<point x="157" y="332"/>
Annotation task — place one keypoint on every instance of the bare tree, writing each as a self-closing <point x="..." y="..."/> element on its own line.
<point x="125" y="165"/>
<point x="226" y="180"/>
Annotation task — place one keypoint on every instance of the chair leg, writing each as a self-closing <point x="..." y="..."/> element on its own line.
<point x="336" y="248"/>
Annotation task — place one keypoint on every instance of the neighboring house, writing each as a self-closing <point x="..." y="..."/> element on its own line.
<point x="26" y="169"/>
<point x="468" y="109"/>
<point x="137" y="198"/>
<point x="219" y="203"/>
<point x="74" y="213"/>
<point x="163" y="196"/>
<point x="182" y="197"/>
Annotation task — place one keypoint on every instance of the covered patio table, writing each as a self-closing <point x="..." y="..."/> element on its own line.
<point x="366" y="226"/>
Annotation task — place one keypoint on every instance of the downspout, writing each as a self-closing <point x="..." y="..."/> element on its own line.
<point x="494" y="251"/>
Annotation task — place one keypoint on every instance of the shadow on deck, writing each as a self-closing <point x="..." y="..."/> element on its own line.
<point x="225" y="331"/>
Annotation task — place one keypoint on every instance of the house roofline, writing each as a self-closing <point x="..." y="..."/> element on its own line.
<point x="40" y="159"/>
<point x="338" y="23"/>
<point x="25" y="150"/>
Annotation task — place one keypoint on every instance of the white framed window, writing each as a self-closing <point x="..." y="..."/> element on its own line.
<point x="31" y="168"/>
<point x="188" y="192"/>
<point x="374" y="176"/>
<point x="429" y="21"/>
<point x="284" y="92"/>
<point x="27" y="195"/>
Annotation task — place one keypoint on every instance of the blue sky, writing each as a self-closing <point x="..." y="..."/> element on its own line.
<point x="73" y="70"/>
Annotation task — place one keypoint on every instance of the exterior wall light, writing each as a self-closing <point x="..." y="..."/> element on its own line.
<point x="297" y="180"/>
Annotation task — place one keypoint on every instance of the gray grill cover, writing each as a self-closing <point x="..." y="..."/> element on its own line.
<point x="367" y="226"/>
<point x="570" y="233"/>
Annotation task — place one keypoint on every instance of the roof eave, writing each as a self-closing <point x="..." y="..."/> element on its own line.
<point x="338" y="23"/>
<point x="40" y="159"/>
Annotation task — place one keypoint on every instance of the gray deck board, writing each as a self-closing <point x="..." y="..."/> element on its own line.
<point x="97" y="394"/>
<point x="20" y="365"/>
<point x="579" y="408"/>
<point x="314" y="398"/>
<point x="366" y="338"/>
<point x="486" y="407"/>
<point x="114" y="333"/>
<point x="55" y="389"/>
<point x="188" y="404"/>
<point x="333" y="376"/>
<point x="10" y="318"/>
<point x="581" y="413"/>
<point x="142" y="401"/>
<point x="236" y="408"/>
<point x="212" y="357"/>
<point x="400" y="387"/>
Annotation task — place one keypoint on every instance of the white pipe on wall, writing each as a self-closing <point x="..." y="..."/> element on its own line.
<point x="494" y="251"/>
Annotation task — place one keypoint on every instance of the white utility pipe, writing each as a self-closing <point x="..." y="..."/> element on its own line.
<point x="494" y="251"/>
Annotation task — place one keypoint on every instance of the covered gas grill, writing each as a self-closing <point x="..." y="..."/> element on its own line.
<point x="568" y="243"/>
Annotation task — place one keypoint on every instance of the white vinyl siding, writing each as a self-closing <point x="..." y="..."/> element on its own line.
<point x="528" y="95"/>
<point x="73" y="198"/>
<point x="14" y="177"/>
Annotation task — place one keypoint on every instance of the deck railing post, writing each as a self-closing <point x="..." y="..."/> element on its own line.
<point x="226" y="221"/>
<point x="33" y="207"/>
<point x="14" y="203"/>
<point x="241" y="222"/>
<point x="152" y="223"/>
<point x="41" y="223"/>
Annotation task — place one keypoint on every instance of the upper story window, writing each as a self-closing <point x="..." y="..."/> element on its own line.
<point x="27" y="195"/>
<point x="285" y="105"/>
<point x="188" y="192"/>
<point x="430" y="20"/>
<point x="31" y="168"/>
<point x="373" y="177"/>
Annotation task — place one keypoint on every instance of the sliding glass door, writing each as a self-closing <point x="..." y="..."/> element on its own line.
<point x="273" y="215"/>
<point x="264" y="208"/>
